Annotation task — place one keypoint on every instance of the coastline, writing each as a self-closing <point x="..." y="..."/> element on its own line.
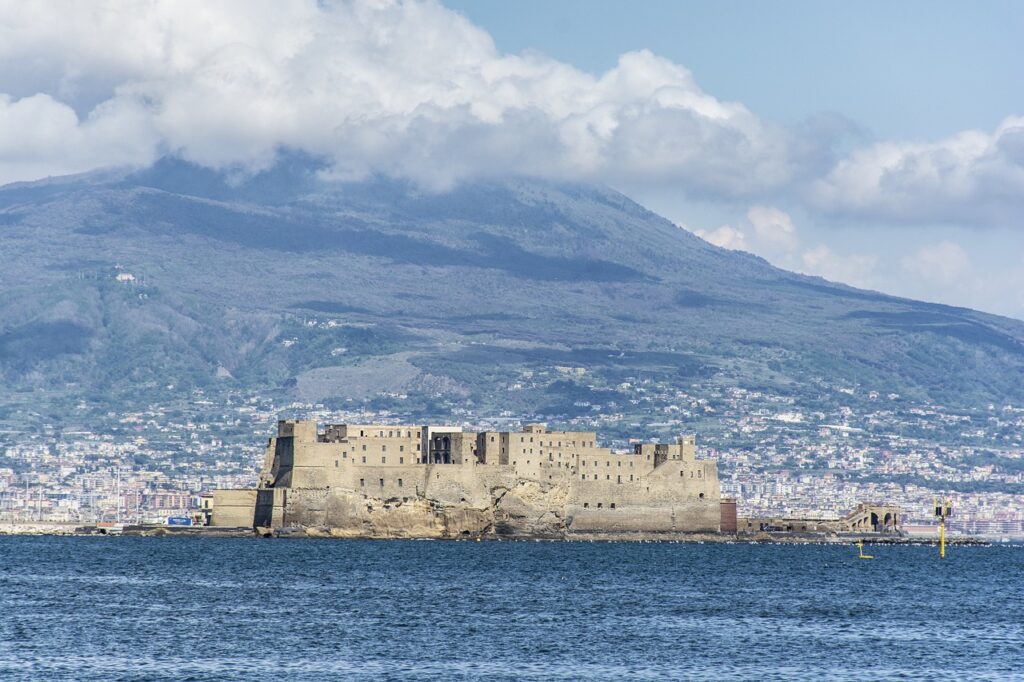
<point x="161" y="531"/>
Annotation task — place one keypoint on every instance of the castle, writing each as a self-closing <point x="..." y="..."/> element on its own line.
<point x="374" y="480"/>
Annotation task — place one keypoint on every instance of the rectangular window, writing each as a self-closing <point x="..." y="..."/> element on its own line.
<point x="399" y="483"/>
<point x="383" y="460"/>
<point x="383" y="448"/>
<point x="401" y="460"/>
<point x="612" y="505"/>
<point x="364" y="459"/>
<point x="362" y="482"/>
<point x="586" y="505"/>
<point x="599" y="505"/>
<point x="335" y="464"/>
<point x="364" y="447"/>
<point x="608" y="477"/>
<point x="382" y="483"/>
<point x="631" y="477"/>
<point x="401" y="448"/>
<point x="620" y="479"/>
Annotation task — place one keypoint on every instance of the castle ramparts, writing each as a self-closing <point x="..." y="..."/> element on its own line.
<point x="374" y="480"/>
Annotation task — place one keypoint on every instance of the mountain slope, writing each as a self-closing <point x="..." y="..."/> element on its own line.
<point x="330" y="292"/>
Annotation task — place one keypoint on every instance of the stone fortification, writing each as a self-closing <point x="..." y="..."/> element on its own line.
<point x="372" y="480"/>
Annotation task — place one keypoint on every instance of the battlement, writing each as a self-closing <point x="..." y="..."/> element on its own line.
<point x="647" y="488"/>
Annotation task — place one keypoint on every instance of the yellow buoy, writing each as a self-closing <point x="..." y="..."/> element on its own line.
<point x="860" y="549"/>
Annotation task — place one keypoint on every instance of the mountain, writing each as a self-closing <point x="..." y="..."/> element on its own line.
<point x="119" y="287"/>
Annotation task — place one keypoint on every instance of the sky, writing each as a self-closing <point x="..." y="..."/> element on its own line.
<point x="877" y="144"/>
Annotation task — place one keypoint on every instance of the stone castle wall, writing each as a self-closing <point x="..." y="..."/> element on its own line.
<point x="371" y="481"/>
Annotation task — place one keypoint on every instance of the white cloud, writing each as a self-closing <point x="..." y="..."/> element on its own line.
<point x="40" y="136"/>
<point x="943" y="263"/>
<point x="771" y="233"/>
<point x="970" y="178"/>
<point x="727" y="237"/>
<point x="405" y="88"/>
<point x="774" y="228"/>
<point x="854" y="269"/>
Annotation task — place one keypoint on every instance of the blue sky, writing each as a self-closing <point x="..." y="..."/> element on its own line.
<point x="878" y="144"/>
<point x="899" y="69"/>
<point x="908" y="71"/>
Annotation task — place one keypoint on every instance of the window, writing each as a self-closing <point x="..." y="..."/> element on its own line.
<point x="631" y="477"/>
<point x="335" y="464"/>
<point x="383" y="448"/>
<point x="399" y="483"/>
<point x="612" y="505"/>
<point x="390" y="434"/>
<point x="620" y="479"/>
<point x="344" y="455"/>
<point x="599" y="505"/>
<point x="620" y="463"/>
<point x="586" y="505"/>
<point x="383" y="460"/>
<point x="401" y="460"/>
<point x="364" y="447"/>
<point x="401" y="448"/>
<point x="492" y="439"/>
<point x="607" y="477"/>
<point x="701" y="496"/>
<point x="382" y="483"/>
<point x="364" y="459"/>
<point x="360" y="433"/>
<point x="362" y="482"/>
<point x="681" y="473"/>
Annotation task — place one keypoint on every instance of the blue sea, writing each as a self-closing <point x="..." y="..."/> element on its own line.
<point x="236" y="609"/>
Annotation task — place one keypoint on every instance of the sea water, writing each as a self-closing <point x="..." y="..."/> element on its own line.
<point x="95" y="608"/>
